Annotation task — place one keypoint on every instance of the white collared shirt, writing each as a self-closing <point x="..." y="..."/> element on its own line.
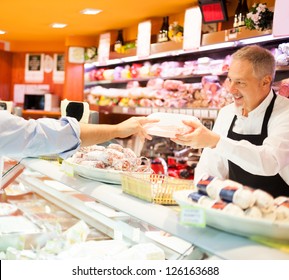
<point x="266" y="160"/>
<point x="32" y="138"/>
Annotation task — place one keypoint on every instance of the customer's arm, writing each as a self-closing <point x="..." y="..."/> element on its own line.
<point x="32" y="138"/>
<point x="99" y="133"/>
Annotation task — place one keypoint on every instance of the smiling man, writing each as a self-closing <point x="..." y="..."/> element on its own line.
<point x="250" y="139"/>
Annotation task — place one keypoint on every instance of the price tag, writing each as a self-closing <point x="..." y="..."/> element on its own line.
<point x="213" y="113"/>
<point x="281" y="19"/>
<point x="103" y="48"/>
<point x="190" y="112"/>
<point x="117" y="235"/>
<point x="193" y="216"/>
<point x="136" y="235"/>
<point x="144" y="39"/>
<point x="233" y="33"/>
<point x="204" y="113"/>
<point x="67" y="167"/>
<point x="192" y="29"/>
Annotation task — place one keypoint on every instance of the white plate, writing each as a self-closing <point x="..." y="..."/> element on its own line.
<point x="98" y="174"/>
<point x="7" y="209"/>
<point x="244" y="226"/>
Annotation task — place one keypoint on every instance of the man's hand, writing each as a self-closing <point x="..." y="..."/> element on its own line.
<point x="198" y="137"/>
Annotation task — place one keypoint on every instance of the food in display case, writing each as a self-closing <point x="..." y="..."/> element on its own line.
<point x="106" y="164"/>
<point x="245" y="225"/>
<point x="259" y="214"/>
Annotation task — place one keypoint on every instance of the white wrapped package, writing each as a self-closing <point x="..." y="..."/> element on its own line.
<point x="282" y="207"/>
<point x="169" y="124"/>
<point x="253" y="212"/>
<point x="264" y="201"/>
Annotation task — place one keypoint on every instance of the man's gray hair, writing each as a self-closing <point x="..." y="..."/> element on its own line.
<point x="262" y="60"/>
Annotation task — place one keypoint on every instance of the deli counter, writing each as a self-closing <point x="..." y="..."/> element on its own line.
<point x="115" y="218"/>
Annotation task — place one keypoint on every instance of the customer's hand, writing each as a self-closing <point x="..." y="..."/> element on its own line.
<point x="198" y="137"/>
<point x="134" y="125"/>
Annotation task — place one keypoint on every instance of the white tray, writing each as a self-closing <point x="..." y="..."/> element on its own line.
<point x="98" y="174"/>
<point x="244" y="226"/>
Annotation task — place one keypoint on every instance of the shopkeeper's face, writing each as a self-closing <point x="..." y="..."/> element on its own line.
<point x="246" y="89"/>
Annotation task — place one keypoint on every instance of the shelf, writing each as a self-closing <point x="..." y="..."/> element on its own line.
<point x="279" y="69"/>
<point x="202" y="113"/>
<point x="124" y="81"/>
<point x="221" y="40"/>
<point x="231" y="35"/>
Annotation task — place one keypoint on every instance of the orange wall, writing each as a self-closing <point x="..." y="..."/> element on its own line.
<point x="5" y="75"/>
<point x="74" y="80"/>
<point x="34" y="46"/>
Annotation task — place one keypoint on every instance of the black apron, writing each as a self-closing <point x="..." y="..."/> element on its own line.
<point x="274" y="185"/>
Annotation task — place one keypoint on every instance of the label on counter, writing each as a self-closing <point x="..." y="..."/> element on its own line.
<point x="193" y="216"/>
<point x="67" y="167"/>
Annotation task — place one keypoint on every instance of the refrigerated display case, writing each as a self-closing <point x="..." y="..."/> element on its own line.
<point x="115" y="216"/>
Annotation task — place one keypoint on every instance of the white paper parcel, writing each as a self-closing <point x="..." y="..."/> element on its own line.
<point x="169" y="125"/>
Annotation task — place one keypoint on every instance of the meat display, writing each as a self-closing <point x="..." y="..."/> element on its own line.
<point x="114" y="157"/>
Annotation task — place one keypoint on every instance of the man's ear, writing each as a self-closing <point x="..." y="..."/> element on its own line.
<point x="267" y="80"/>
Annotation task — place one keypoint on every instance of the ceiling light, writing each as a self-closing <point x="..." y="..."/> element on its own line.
<point x="2" y="32"/>
<point x="58" y="25"/>
<point x="90" y="11"/>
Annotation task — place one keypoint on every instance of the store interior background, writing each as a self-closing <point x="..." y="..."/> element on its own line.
<point x="28" y="31"/>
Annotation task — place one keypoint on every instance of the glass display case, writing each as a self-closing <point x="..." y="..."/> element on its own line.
<point x="56" y="208"/>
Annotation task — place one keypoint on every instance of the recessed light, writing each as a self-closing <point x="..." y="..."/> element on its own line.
<point x="58" y="25"/>
<point x="90" y="11"/>
<point x="2" y="32"/>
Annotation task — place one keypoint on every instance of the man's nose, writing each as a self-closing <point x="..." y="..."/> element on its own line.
<point x="232" y="87"/>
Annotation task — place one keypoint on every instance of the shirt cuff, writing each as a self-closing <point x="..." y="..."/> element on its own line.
<point x="225" y="146"/>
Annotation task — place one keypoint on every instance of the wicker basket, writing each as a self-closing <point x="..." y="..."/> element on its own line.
<point x="154" y="187"/>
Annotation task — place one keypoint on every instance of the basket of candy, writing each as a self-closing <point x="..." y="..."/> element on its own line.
<point x="156" y="188"/>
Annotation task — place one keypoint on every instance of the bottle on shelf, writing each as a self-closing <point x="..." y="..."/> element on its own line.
<point x="237" y="14"/>
<point x="243" y="13"/>
<point x="163" y="35"/>
<point x="119" y="43"/>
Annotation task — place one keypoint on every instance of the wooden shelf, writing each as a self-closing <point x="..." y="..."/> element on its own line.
<point x="231" y="35"/>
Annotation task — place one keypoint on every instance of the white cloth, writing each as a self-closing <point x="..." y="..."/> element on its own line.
<point x="32" y="138"/>
<point x="266" y="160"/>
